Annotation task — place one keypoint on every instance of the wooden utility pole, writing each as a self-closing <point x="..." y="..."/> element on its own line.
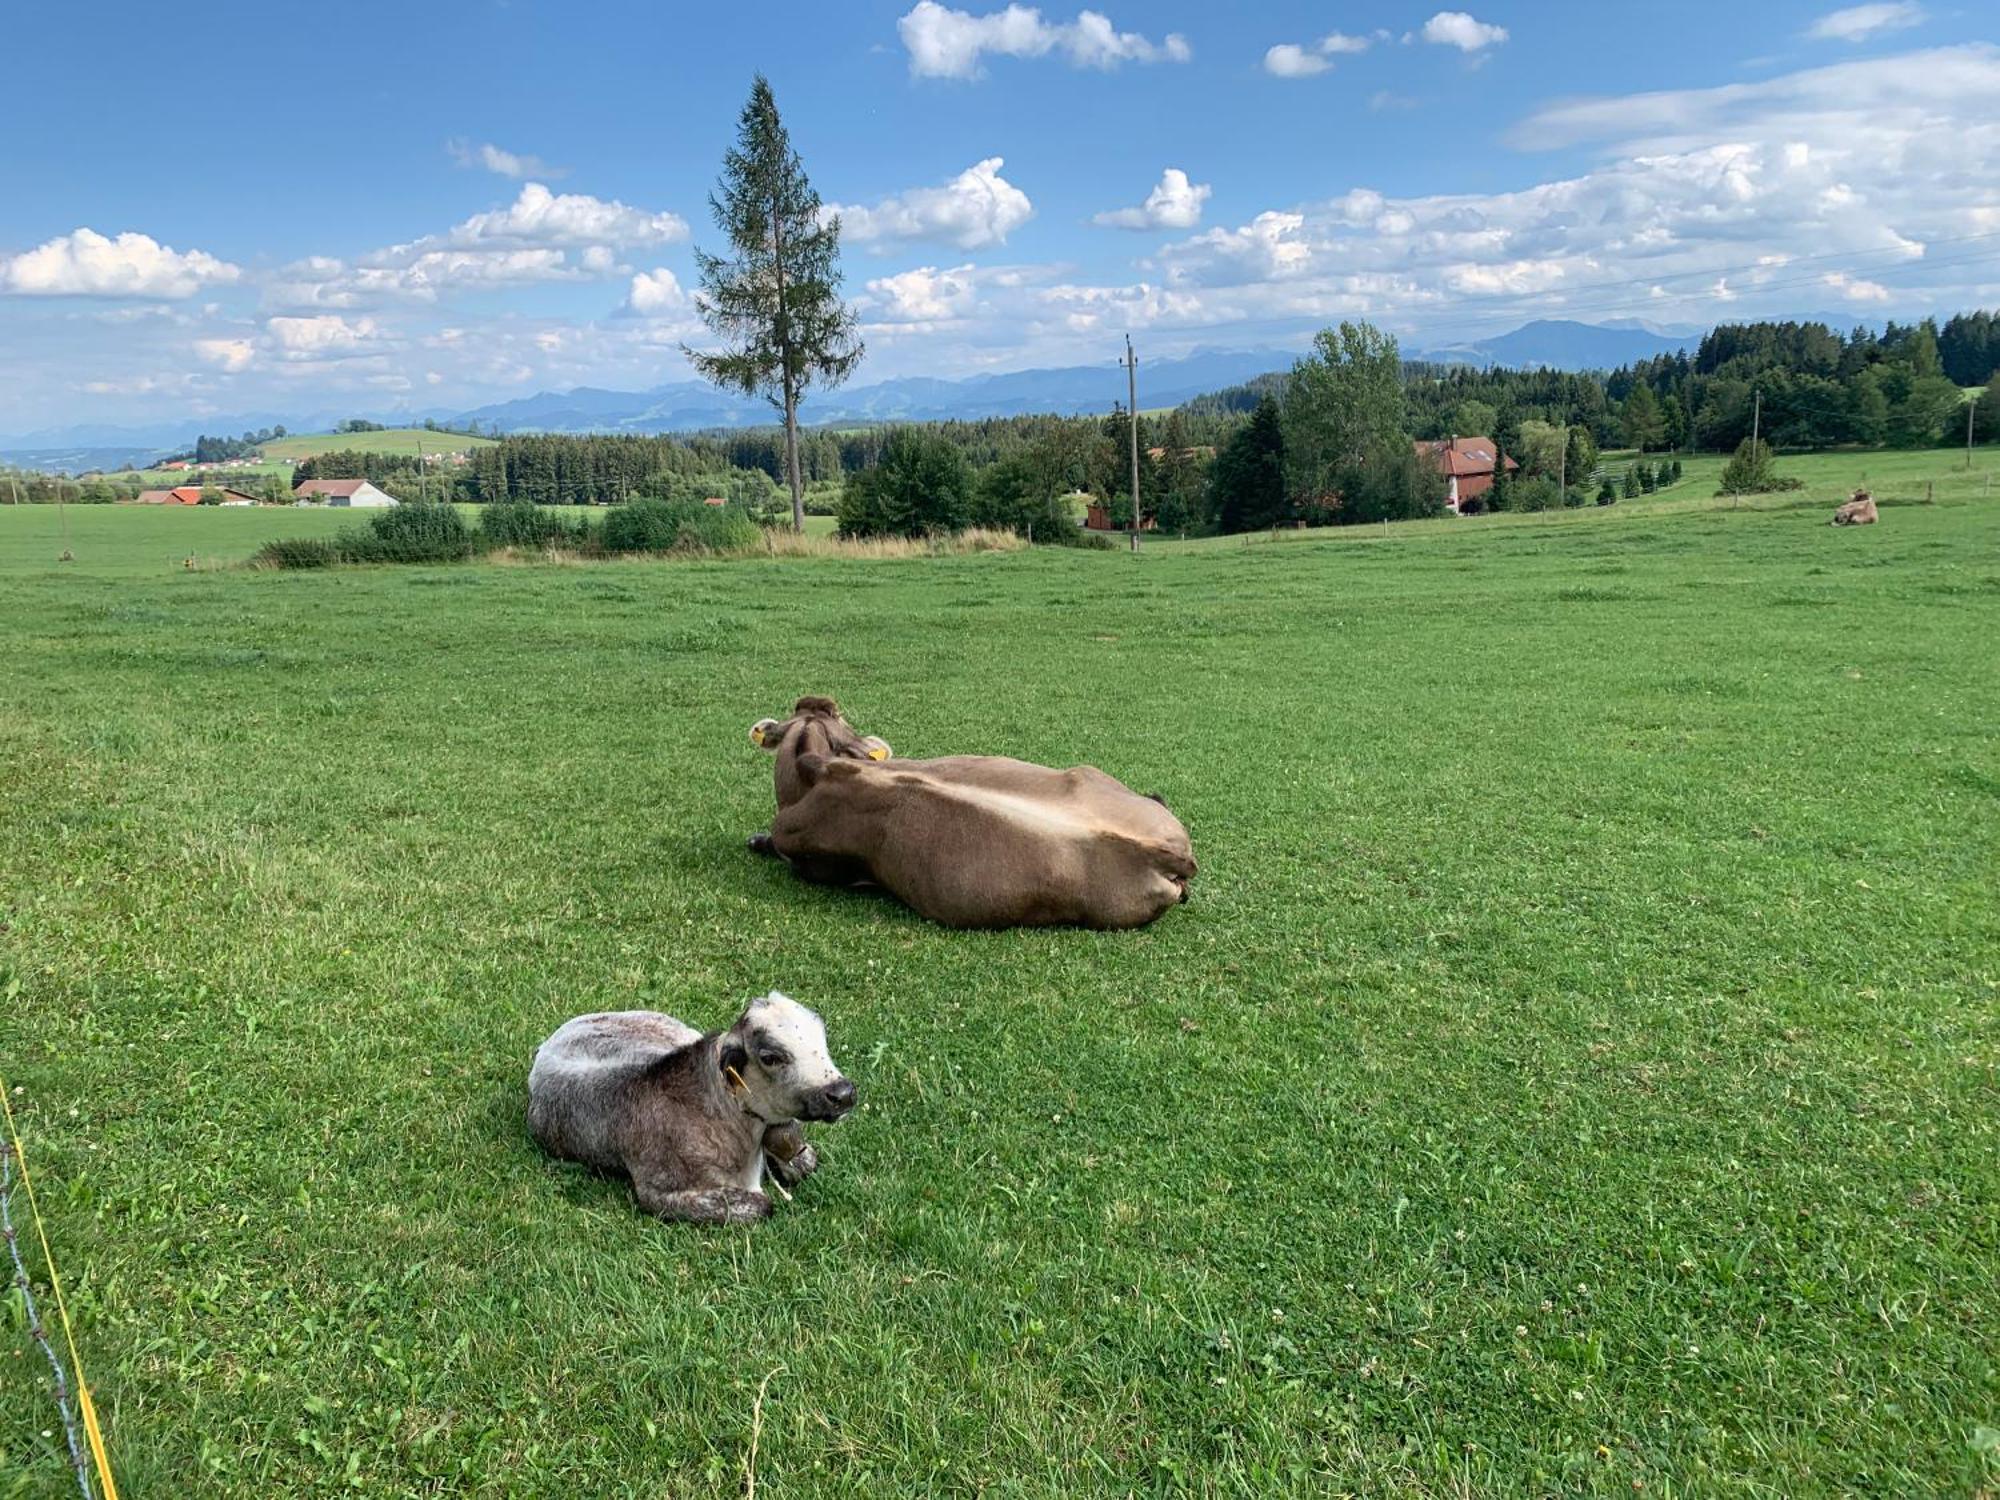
<point x="1132" y="397"/>
<point x="1970" y="408"/>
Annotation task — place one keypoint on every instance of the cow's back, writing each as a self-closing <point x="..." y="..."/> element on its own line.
<point x="984" y="841"/>
<point x="578" y="1086"/>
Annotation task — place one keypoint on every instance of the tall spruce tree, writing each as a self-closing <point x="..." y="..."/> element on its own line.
<point x="1250" y="473"/>
<point x="775" y="301"/>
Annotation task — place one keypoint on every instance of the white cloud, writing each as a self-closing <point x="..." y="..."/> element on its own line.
<point x="540" y="237"/>
<point x="1175" y="203"/>
<point x="326" y="336"/>
<point x="231" y="354"/>
<point x="1454" y="28"/>
<point x="491" y="158"/>
<point x="924" y="294"/>
<point x="1290" y="60"/>
<point x="947" y="43"/>
<point x="1857" y="23"/>
<point x="1856" y="288"/>
<point x="977" y="208"/>
<point x="89" y="264"/>
<point x="540" y="217"/>
<point x="656" y="294"/>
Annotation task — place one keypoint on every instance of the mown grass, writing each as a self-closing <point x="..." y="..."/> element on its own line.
<point x="405" y="440"/>
<point x="1576" y="1071"/>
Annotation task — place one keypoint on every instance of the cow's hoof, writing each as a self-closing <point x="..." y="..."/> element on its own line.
<point x="761" y="843"/>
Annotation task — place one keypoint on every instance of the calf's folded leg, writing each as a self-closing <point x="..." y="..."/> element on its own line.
<point x="726" y="1205"/>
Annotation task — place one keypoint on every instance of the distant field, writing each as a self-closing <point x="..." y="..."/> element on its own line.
<point x="1575" y="1073"/>
<point x="391" y="440"/>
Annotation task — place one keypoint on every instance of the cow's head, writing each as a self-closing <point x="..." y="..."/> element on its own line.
<point x="775" y="1059"/>
<point x="815" y="728"/>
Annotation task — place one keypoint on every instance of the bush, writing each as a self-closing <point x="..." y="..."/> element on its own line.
<point x="410" y="534"/>
<point x="1607" y="493"/>
<point x="1069" y="534"/>
<point x="297" y="552"/>
<point x="677" y="526"/>
<point x="1752" y="471"/>
<point x="516" y="523"/>
<point x="1539" y="493"/>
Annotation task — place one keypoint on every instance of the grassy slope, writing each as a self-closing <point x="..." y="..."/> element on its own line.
<point x="392" y="440"/>
<point x="1576" y="1069"/>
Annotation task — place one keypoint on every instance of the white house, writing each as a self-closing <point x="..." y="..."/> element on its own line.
<point x="356" y="492"/>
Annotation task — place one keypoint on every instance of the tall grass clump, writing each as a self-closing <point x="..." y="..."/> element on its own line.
<point x="296" y="552"/>
<point x="518" y="523"/>
<point x="410" y="534"/>
<point x="678" y="526"/>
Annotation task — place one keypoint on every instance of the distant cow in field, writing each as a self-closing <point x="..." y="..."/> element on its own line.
<point x="1858" y="511"/>
<point x="969" y="840"/>
<point x="695" y="1121"/>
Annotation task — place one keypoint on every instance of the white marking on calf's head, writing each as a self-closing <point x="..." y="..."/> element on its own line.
<point x="786" y="1067"/>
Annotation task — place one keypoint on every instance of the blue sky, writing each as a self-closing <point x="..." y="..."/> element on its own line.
<point x="235" y="208"/>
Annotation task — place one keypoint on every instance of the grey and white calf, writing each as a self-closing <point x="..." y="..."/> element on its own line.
<point x="694" y="1120"/>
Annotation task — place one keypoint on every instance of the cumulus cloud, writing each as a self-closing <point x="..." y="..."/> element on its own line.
<point x="325" y="336"/>
<point x="976" y="208"/>
<point x="491" y="158"/>
<point x="947" y="43"/>
<point x="540" y="217"/>
<point x="540" y="237"/>
<point x="89" y="264"/>
<point x="656" y="294"/>
<point x="1857" y="23"/>
<point x="1454" y="28"/>
<point x="231" y="354"/>
<point x="1290" y="60"/>
<point x="1705" y="197"/>
<point x="1175" y="203"/>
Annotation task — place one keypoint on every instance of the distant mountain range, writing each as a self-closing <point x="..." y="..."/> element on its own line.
<point x="1077" y="390"/>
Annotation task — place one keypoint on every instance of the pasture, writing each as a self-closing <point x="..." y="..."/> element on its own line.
<point x="404" y="440"/>
<point x="1576" y="1070"/>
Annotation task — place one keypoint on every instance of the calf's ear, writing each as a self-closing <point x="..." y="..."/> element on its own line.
<point x="734" y="1059"/>
<point x="764" y="734"/>
<point x="878" y="749"/>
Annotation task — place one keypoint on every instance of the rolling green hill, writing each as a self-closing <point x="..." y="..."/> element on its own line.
<point x="389" y="440"/>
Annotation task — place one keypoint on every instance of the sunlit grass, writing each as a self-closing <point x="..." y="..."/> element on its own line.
<point x="1575" y="1072"/>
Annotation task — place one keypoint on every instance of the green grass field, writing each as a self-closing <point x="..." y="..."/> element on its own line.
<point x="390" y="440"/>
<point x="1577" y="1070"/>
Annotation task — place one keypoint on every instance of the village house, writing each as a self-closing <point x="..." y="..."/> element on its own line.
<point x="354" y="492"/>
<point x="190" y="494"/>
<point x="1467" y="464"/>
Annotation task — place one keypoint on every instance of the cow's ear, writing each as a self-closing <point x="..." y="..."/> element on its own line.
<point x="764" y="734"/>
<point x="734" y="1059"/>
<point x="878" y="749"/>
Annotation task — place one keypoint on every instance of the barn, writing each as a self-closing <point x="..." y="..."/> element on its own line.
<point x="354" y="492"/>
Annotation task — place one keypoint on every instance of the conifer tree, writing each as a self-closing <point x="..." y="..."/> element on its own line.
<point x="775" y="300"/>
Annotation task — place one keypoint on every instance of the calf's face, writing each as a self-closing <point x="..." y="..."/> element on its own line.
<point x="778" y="1048"/>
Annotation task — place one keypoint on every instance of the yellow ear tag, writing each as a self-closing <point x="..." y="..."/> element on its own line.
<point x="878" y="752"/>
<point x="757" y="735"/>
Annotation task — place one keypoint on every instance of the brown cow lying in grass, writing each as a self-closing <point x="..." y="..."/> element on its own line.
<point x="969" y="840"/>
<point x="1859" y="511"/>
